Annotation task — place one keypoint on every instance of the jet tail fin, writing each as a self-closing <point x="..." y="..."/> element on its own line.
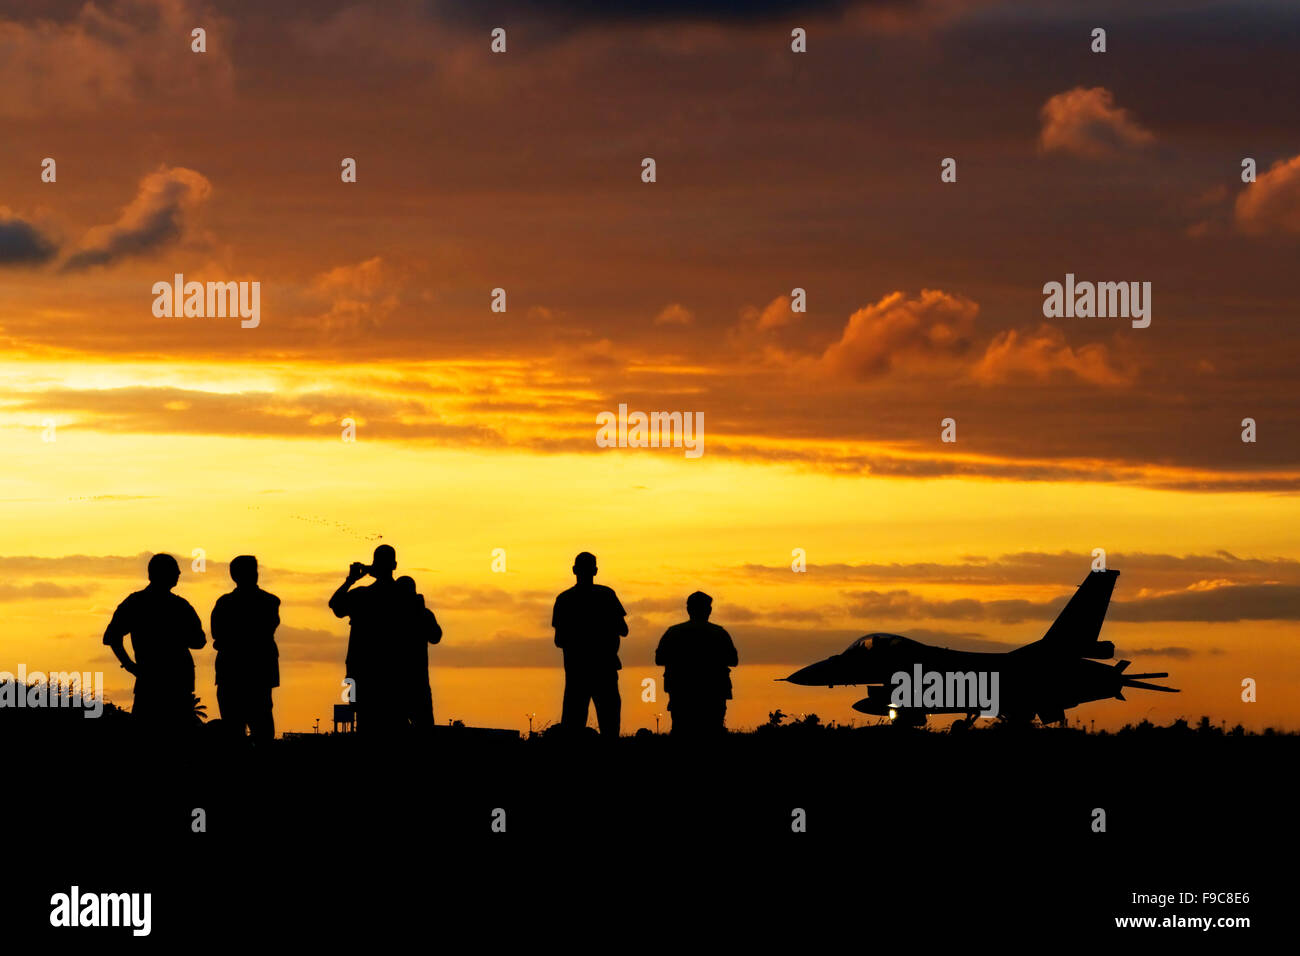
<point x="1077" y="627"/>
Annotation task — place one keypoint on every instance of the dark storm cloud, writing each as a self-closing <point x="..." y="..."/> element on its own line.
<point x="154" y="218"/>
<point x="21" y="243"/>
<point x="595" y="13"/>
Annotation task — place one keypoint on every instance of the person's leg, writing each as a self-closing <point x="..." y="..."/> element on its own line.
<point x="387" y="716"/>
<point x="143" y="703"/>
<point x="230" y="706"/>
<point x="361" y="720"/>
<point x="609" y="706"/>
<point x="577" y="698"/>
<point x="422" y="710"/>
<point x="261" y="724"/>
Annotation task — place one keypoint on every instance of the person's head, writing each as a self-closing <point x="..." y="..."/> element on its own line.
<point x="243" y="570"/>
<point x="584" y="566"/>
<point x="406" y="584"/>
<point x="164" y="572"/>
<point x="699" y="606"/>
<point x="384" y="562"/>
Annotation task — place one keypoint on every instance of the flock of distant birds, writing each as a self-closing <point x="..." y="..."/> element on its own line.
<point x="330" y="523"/>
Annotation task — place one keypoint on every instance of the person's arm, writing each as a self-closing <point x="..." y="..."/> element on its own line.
<point x="435" y="631"/>
<point x="117" y="630"/>
<point x="340" y="603"/>
<point x="733" y="659"/>
<point x="194" y="638"/>
<point x="217" y="623"/>
<point x="622" y="614"/>
<point x="555" y="623"/>
<point x="661" y="653"/>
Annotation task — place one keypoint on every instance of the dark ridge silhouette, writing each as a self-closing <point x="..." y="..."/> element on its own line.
<point x="697" y="657"/>
<point x="995" y="819"/>
<point x="589" y="624"/>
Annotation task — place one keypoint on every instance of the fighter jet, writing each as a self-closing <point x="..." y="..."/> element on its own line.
<point x="908" y="680"/>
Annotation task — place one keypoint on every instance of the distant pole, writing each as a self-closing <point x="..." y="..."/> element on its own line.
<point x="657" y="716"/>
<point x="530" y="723"/>
<point x="316" y="726"/>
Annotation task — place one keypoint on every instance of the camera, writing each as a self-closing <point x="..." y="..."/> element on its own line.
<point x="359" y="569"/>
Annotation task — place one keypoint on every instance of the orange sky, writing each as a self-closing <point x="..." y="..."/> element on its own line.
<point x="775" y="171"/>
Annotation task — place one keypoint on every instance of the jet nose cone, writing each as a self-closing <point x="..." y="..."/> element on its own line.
<point x="803" y="675"/>
<point x="813" y="675"/>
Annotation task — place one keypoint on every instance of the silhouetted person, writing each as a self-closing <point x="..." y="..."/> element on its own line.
<point x="248" y="662"/>
<point x="697" y="657"/>
<point x="419" y="629"/>
<point x="373" y="644"/>
<point x="589" y="621"/>
<point x="163" y="628"/>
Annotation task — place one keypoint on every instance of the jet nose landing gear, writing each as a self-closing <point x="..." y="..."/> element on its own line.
<point x="906" y="717"/>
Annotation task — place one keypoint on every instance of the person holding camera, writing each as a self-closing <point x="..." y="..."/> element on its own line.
<point x="376" y="613"/>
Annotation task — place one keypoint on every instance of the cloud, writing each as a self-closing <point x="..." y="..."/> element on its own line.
<point x="361" y="297"/>
<point x="1229" y="603"/>
<point x="134" y="567"/>
<point x="881" y="336"/>
<point x="674" y="314"/>
<point x="799" y="646"/>
<point x="1086" y="122"/>
<point x="1253" y="602"/>
<point x="154" y="218"/>
<point x="194" y="411"/>
<point x="906" y="606"/>
<point x="1166" y="572"/>
<point x="1040" y="355"/>
<point x="757" y="644"/>
<point x="1181" y="653"/>
<point x="21" y="243"/>
<point x="311" y="644"/>
<point x="588" y="13"/>
<point x="773" y="315"/>
<point x="1271" y="204"/>
<point x="41" y="590"/>
<point x="108" y="54"/>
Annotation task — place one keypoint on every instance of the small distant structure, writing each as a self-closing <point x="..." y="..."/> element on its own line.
<point x="345" y="716"/>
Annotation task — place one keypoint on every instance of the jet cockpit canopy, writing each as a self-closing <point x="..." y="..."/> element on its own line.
<point x="876" y="642"/>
